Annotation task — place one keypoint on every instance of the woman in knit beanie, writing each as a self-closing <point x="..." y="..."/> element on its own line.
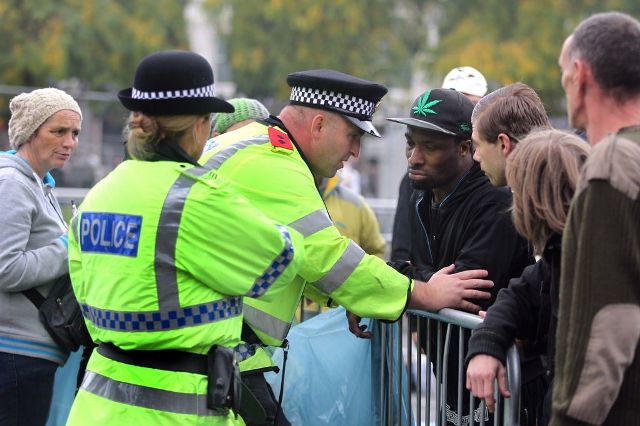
<point x="43" y="132"/>
<point x="53" y="108"/>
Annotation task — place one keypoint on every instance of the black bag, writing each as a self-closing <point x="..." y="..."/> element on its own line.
<point x="61" y="315"/>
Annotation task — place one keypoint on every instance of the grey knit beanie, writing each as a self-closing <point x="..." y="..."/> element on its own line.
<point x="30" y="110"/>
<point x="245" y="109"/>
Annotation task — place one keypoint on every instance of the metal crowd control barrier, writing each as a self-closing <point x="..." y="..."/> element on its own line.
<point x="68" y="196"/>
<point x="394" y="405"/>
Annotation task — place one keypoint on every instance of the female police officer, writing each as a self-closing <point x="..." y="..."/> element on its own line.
<point x="160" y="262"/>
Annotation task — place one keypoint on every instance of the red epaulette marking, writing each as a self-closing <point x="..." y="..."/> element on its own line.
<point x="280" y="139"/>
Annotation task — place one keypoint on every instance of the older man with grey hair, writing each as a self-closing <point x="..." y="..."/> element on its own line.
<point x="598" y="358"/>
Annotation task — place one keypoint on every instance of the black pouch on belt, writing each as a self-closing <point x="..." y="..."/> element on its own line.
<point x="223" y="391"/>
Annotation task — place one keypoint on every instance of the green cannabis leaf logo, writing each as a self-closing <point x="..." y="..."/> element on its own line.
<point x="423" y="107"/>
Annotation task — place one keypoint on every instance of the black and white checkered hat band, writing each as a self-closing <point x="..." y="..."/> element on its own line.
<point x="200" y="92"/>
<point x="331" y="99"/>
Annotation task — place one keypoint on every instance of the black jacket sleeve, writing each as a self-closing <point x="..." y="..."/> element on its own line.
<point x="514" y="315"/>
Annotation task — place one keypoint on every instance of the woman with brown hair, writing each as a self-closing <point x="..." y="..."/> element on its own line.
<point x="542" y="172"/>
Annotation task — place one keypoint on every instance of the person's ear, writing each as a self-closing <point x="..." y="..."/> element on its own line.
<point x="506" y="144"/>
<point x="466" y="148"/>
<point x="582" y="76"/>
<point x="318" y="123"/>
<point x="203" y="122"/>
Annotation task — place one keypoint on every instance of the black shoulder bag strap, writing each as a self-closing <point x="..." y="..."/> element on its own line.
<point x="34" y="296"/>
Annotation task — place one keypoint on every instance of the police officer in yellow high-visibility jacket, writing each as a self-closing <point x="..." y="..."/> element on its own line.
<point x="161" y="289"/>
<point x="273" y="163"/>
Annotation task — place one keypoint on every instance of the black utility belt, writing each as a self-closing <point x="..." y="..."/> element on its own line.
<point x="169" y="359"/>
<point x="219" y="365"/>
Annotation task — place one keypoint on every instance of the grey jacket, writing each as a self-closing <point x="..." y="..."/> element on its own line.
<point x="31" y="256"/>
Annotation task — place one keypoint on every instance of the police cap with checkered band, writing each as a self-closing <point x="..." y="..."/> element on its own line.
<point x="173" y="82"/>
<point x="356" y="99"/>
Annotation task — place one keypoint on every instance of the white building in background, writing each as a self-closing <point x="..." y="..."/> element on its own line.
<point x="203" y="36"/>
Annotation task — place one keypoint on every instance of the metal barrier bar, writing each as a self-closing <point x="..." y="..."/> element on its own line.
<point x="514" y="378"/>
<point x="460" y="378"/>
<point x="507" y="413"/>
<point x="390" y="369"/>
<point x="428" y="387"/>
<point x="66" y="195"/>
<point x="419" y="373"/>
<point x="400" y="369"/>
<point x="472" y="419"/>
<point x="438" y="367"/>
<point x="408" y="346"/>
<point x="383" y="338"/>
<point x="445" y="375"/>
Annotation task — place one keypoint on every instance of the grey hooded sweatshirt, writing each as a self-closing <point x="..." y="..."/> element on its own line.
<point x="32" y="255"/>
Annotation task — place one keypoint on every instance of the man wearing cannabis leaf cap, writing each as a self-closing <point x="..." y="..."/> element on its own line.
<point x="461" y="218"/>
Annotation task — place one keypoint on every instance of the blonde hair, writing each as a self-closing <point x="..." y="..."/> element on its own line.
<point x="543" y="172"/>
<point x="144" y="132"/>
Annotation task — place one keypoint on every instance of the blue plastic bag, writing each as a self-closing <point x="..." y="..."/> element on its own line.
<point x="64" y="390"/>
<point x="328" y="373"/>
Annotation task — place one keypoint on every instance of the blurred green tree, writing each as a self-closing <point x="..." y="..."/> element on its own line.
<point x="396" y="41"/>
<point x="99" y="42"/>
<point x="516" y="40"/>
<point x="269" y="39"/>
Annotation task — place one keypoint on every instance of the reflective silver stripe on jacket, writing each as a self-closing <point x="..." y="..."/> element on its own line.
<point x="262" y="321"/>
<point x="170" y="315"/>
<point x="276" y="268"/>
<point x="218" y="159"/>
<point x="146" y="397"/>
<point x="342" y="269"/>
<point x="312" y="223"/>
<point x="167" y="237"/>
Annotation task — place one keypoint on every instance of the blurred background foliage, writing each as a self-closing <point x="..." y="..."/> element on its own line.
<point x="99" y="42"/>
<point x="269" y="39"/>
<point x="392" y="41"/>
<point x="91" y="49"/>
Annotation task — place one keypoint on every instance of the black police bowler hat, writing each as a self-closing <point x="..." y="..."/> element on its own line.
<point x="173" y="82"/>
<point x="356" y="99"/>
<point x="441" y="110"/>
